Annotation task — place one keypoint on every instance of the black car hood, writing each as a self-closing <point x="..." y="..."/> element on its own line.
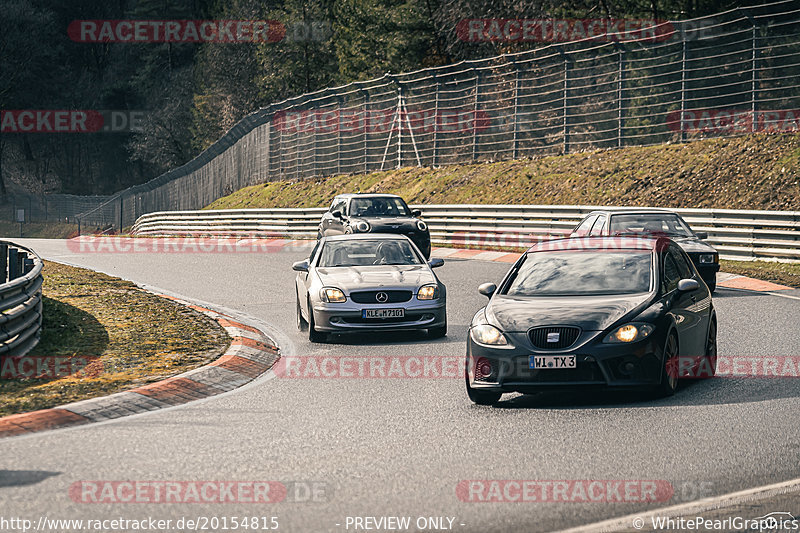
<point x="590" y="313"/>
<point x="692" y="245"/>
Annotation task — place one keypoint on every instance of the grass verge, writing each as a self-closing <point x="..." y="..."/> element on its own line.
<point x="129" y="337"/>
<point x="752" y="172"/>
<point x="782" y="273"/>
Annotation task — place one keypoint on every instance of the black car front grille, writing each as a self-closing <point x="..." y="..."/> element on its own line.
<point x="560" y="337"/>
<point x="371" y="297"/>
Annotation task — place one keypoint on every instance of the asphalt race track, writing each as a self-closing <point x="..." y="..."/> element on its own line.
<point x="400" y="447"/>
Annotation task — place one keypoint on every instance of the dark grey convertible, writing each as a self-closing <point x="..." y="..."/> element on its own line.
<point x="368" y="282"/>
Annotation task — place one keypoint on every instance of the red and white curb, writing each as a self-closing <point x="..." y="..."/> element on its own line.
<point x="250" y="354"/>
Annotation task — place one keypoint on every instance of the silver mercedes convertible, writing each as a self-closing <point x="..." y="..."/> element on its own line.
<point x="369" y="281"/>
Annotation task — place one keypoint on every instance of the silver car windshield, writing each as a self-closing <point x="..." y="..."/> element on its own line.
<point x="367" y="252"/>
<point x="378" y="207"/>
<point x="582" y="273"/>
<point x="652" y="223"/>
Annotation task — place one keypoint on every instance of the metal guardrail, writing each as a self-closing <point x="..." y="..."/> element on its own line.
<point x="737" y="234"/>
<point x="20" y="299"/>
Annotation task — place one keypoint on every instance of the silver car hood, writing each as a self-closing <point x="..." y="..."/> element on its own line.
<point x="375" y="276"/>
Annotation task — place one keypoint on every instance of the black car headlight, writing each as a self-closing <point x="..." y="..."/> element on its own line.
<point x="707" y="259"/>
<point x="488" y="335"/>
<point x="332" y="295"/>
<point x="422" y="226"/>
<point x="362" y="226"/>
<point x="428" y="292"/>
<point x="629" y="333"/>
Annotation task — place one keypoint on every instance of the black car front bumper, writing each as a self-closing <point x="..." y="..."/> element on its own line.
<point x="635" y="366"/>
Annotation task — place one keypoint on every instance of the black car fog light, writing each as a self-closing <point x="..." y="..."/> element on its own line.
<point x="483" y="369"/>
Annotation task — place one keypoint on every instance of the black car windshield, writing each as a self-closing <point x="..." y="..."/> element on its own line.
<point x="582" y="273"/>
<point x="368" y="252"/>
<point x="379" y="206"/>
<point x="651" y="223"/>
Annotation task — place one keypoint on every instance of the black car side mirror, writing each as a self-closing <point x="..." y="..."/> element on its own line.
<point x="436" y="262"/>
<point x="688" y="285"/>
<point x="300" y="266"/>
<point x="416" y="213"/>
<point x="336" y="214"/>
<point x="702" y="235"/>
<point x="487" y="289"/>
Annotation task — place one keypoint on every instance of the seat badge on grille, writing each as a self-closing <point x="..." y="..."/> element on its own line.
<point x="553" y="337"/>
<point x="382" y="297"/>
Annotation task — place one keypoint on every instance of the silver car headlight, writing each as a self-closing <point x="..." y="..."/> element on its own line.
<point x="362" y="226"/>
<point x="488" y="335"/>
<point x="428" y="292"/>
<point x="332" y="295"/>
<point x="708" y="258"/>
<point x="422" y="226"/>
<point x="629" y="333"/>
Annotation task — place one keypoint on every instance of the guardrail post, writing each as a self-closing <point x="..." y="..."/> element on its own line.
<point x="3" y="263"/>
<point x="13" y="264"/>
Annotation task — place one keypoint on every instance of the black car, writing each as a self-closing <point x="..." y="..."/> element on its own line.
<point x="609" y="312"/>
<point x="375" y="213"/>
<point x="655" y="222"/>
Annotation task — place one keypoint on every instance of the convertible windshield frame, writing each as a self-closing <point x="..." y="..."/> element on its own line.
<point x="368" y="256"/>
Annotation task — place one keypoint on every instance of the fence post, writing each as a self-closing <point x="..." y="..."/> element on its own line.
<point x="366" y="129"/>
<point x="621" y="97"/>
<point x="515" y="116"/>
<point x="436" y="120"/>
<point x="475" y="115"/>
<point x="399" y="125"/>
<point x="565" y="100"/>
<point x="339" y="112"/>
<point x="684" y="83"/>
<point x="754" y="75"/>
<point x="315" y="133"/>
<point x="121" y="205"/>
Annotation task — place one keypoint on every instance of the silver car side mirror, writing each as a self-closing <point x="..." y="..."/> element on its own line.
<point x="487" y="289"/>
<point x="688" y="285"/>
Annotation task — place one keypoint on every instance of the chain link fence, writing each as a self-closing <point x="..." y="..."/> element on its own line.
<point x="729" y="74"/>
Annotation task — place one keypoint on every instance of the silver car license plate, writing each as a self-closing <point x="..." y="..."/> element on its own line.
<point x="383" y="313"/>
<point x="543" y="362"/>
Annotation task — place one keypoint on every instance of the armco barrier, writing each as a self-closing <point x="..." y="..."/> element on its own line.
<point x="20" y="299"/>
<point x="737" y="234"/>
